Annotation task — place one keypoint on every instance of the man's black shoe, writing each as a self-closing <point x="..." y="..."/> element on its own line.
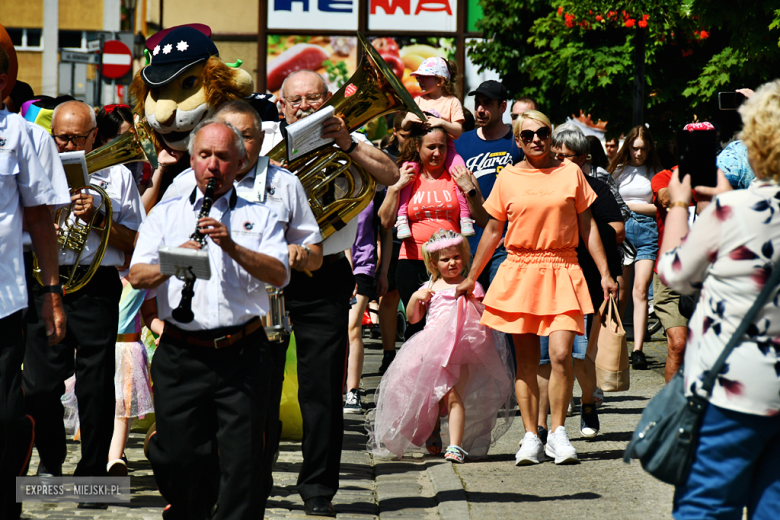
<point x="318" y="506"/>
<point x="43" y="471"/>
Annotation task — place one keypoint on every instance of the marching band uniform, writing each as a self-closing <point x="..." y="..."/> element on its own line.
<point x="210" y="375"/>
<point x="23" y="182"/>
<point x="93" y="316"/>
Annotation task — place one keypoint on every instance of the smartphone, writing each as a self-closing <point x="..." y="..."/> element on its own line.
<point x="698" y="156"/>
<point x="730" y="100"/>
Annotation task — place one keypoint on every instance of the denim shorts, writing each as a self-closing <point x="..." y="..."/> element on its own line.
<point x="579" y="349"/>
<point x="642" y="231"/>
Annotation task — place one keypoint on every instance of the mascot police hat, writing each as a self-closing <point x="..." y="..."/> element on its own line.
<point x="178" y="50"/>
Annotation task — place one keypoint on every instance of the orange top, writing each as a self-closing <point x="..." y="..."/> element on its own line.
<point x="433" y="205"/>
<point x="540" y="287"/>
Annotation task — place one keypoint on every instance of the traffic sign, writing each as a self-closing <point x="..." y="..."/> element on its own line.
<point x="93" y="45"/>
<point x="79" y="57"/>
<point x="117" y="59"/>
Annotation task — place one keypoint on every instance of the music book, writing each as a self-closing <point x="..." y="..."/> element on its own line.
<point x="184" y="263"/>
<point x="305" y="135"/>
<point x="75" y="169"/>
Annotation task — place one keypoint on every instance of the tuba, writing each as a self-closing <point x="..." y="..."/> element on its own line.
<point x="373" y="90"/>
<point x="71" y="233"/>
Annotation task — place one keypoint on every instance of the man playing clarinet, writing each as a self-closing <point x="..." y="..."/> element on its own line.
<point x="209" y="376"/>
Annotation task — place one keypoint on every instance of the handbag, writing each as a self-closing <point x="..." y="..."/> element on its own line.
<point x="665" y="439"/>
<point x="608" y="348"/>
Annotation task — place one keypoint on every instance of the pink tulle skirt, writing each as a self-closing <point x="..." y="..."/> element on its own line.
<point x="429" y="365"/>
<point x="132" y="384"/>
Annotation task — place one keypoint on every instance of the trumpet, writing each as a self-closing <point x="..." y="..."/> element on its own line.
<point x="183" y="313"/>
<point x="134" y="145"/>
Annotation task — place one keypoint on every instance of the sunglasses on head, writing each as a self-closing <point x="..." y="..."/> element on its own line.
<point x="528" y="135"/>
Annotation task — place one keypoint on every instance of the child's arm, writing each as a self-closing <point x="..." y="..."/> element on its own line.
<point x="149" y="314"/>
<point x="409" y="121"/>
<point x="453" y="129"/>
<point x="417" y="306"/>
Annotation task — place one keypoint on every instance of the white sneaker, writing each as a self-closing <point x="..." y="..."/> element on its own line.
<point x="559" y="448"/>
<point x="403" y="227"/>
<point x="467" y="227"/>
<point x="531" y="451"/>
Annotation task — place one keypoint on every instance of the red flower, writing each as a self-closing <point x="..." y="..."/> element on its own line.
<point x="645" y="17"/>
<point x="687" y="53"/>
<point x="590" y="12"/>
<point x="630" y="22"/>
<point x="569" y="20"/>
<point x="642" y="24"/>
<point x="560" y="11"/>
<point x="599" y="18"/>
<point x="704" y="35"/>
<point x="612" y="14"/>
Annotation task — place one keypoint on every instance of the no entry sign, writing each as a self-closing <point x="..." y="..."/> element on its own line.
<point x="117" y="59"/>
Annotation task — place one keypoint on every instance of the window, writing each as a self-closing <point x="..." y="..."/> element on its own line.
<point x="73" y="40"/>
<point x="26" y="39"/>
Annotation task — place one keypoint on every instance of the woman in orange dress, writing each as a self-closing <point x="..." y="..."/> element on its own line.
<point x="539" y="289"/>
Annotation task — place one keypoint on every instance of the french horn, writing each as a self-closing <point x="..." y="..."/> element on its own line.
<point x="373" y="91"/>
<point x="134" y="145"/>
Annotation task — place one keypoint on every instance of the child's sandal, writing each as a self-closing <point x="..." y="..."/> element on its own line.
<point x="455" y="454"/>
<point x="433" y="443"/>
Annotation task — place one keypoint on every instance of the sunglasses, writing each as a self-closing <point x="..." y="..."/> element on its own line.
<point x="528" y="135"/>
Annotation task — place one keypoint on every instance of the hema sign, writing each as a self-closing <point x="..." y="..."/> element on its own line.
<point x="389" y="15"/>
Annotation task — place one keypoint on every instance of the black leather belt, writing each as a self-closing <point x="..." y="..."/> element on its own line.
<point x="214" y="338"/>
<point x="330" y="259"/>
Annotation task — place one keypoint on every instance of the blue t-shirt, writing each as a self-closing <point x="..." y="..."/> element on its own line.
<point x="486" y="159"/>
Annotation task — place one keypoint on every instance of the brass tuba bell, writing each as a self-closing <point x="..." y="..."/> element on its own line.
<point x="373" y="90"/>
<point x="72" y="234"/>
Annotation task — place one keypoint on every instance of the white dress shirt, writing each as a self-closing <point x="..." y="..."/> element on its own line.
<point x="23" y="182"/>
<point x="345" y="237"/>
<point x="281" y="192"/>
<point x="232" y="296"/>
<point x="126" y="209"/>
<point x="49" y="157"/>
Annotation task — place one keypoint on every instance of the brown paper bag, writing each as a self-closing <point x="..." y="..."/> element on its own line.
<point x="608" y="349"/>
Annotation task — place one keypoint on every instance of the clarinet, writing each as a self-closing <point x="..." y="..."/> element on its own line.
<point x="183" y="313"/>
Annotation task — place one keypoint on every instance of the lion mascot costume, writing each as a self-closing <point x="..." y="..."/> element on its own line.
<point x="184" y="83"/>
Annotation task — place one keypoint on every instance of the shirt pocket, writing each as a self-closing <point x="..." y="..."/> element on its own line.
<point x="237" y="276"/>
<point x="9" y="169"/>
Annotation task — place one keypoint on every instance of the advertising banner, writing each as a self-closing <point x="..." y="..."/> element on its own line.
<point x="413" y="15"/>
<point x="313" y="14"/>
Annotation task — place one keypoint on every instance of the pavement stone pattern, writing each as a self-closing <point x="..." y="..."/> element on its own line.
<point x="429" y="488"/>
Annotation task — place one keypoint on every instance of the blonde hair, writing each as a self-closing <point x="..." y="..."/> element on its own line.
<point x="761" y="119"/>
<point x="432" y="258"/>
<point x="533" y="115"/>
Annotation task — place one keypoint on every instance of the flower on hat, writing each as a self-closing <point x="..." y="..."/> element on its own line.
<point x="182" y="46"/>
<point x="167" y="49"/>
<point x="156" y="50"/>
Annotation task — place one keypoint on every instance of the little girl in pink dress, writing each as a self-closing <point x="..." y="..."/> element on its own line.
<point x="454" y="368"/>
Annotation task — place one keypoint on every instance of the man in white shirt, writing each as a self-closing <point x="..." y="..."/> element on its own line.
<point x="319" y="306"/>
<point x="93" y="314"/>
<point x="210" y="375"/>
<point x="25" y="194"/>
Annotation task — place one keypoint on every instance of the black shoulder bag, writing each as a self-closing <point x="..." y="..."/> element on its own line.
<point x="666" y="437"/>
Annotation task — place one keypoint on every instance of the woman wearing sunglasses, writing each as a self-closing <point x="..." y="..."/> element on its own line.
<point x="539" y="289"/>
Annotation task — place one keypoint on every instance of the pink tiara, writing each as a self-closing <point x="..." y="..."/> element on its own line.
<point x="442" y="240"/>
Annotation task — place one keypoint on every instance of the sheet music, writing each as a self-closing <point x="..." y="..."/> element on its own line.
<point x="182" y="262"/>
<point x="75" y="169"/>
<point x="305" y="135"/>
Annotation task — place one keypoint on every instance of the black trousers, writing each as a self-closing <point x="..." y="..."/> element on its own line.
<point x="15" y="428"/>
<point x="210" y="406"/>
<point x="319" y="309"/>
<point x="410" y="275"/>
<point x="93" y="318"/>
<point x="276" y="358"/>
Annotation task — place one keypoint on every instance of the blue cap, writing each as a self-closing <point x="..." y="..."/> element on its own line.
<point x="177" y="51"/>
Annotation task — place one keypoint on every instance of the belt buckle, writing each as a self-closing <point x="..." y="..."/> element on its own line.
<point x="216" y="340"/>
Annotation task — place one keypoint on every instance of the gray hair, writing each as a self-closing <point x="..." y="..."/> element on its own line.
<point x="239" y="140"/>
<point x="571" y="137"/>
<point x="90" y="109"/>
<point x="324" y="83"/>
<point x="239" y="106"/>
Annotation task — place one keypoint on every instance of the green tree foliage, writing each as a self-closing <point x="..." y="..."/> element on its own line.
<point x="573" y="55"/>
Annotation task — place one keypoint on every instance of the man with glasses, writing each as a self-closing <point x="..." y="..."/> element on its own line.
<point x="319" y="305"/>
<point x="93" y="314"/>
<point x="487" y="150"/>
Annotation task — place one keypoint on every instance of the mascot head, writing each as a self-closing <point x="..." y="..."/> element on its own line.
<point x="184" y="83"/>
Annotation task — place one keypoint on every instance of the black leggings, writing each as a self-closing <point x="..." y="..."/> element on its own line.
<point x="410" y="275"/>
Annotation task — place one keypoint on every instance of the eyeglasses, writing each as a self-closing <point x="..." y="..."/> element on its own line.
<point x="528" y="135"/>
<point x="77" y="140"/>
<point x="561" y="156"/>
<point x="311" y="99"/>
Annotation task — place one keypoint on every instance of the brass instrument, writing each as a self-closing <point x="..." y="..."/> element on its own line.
<point x="129" y="147"/>
<point x="373" y="90"/>
<point x="183" y="313"/>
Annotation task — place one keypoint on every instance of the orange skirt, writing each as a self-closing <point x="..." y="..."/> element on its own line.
<point x="538" y="292"/>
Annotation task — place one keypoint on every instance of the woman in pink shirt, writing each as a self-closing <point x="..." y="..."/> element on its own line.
<point x="433" y="205"/>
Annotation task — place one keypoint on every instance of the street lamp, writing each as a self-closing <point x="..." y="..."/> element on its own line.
<point x="139" y="44"/>
<point x="130" y="6"/>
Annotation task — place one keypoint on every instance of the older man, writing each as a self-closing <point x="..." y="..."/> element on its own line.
<point x="319" y="306"/>
<point x="210" y="375"/>
<point x="93" y="314"/>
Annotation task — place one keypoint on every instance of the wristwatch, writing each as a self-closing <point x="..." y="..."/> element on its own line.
<point x="472" y="192"/>
<point x="53" y="289"/>
<point x="352" y="146"/>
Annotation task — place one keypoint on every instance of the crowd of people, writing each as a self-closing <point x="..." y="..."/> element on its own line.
<point x="499" y="243"/>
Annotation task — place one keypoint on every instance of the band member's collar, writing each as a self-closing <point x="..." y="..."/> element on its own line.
<point x="231" y="203"/>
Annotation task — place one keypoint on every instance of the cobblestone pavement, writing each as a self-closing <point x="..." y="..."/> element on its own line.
<point x="602" y="486"/>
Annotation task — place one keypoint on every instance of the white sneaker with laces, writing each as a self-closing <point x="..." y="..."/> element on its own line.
<point x="559" y="448"/>
<point x="531" y="451"/>
<point x="403" y="227"/>
<point x="467" y="227"/>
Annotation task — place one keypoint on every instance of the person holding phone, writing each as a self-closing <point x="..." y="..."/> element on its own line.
<point x="633" y="169"/>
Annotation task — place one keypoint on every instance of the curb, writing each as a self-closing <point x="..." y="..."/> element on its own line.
<point x="450" y="494"/>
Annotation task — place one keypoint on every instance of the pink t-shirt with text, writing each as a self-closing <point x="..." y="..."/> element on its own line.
<point x="433" y="205"/>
